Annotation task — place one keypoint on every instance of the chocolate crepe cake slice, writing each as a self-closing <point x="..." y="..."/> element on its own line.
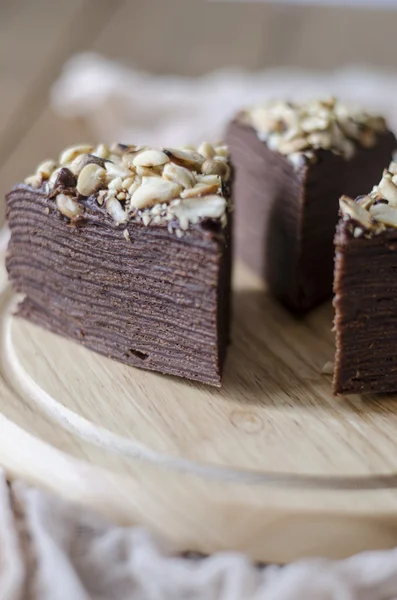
<point x="293" y="162"/>
<point x="127" y="251"/>
<point x="365" y="289"/>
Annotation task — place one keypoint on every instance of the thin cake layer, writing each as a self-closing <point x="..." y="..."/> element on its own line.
<point x="366" y="312"/>
<point x="365" y="288"/>
<point x="150" y="295"/>
<point x="287" y="186"/>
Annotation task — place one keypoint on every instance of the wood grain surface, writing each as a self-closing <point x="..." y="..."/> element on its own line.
<point x="272" y="465"/>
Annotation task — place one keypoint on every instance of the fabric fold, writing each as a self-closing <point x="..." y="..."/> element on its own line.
<point x="54" y="550"/>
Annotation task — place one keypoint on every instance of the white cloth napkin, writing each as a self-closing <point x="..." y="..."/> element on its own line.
<point x="51" y="551"/>
<point x="122" y="104"/>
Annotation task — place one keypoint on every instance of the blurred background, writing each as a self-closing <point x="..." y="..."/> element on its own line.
<point x="185" y="38"/>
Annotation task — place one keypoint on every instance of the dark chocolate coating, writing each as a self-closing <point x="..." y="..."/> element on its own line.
<point x="285" y="220"/>
<point x="365" y="312"/>
<point x="155" y="302"/>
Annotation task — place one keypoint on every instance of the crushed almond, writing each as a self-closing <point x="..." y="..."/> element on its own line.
<point x="91" y="179"/>
<point x="376" y="211"/>
<point x="68" y="206"/>
<point x="34" y="181"/>
<point x="296" y="129"/>
<point x="173" y="187"/>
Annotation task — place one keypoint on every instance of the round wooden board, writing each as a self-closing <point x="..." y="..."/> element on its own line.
<point x="272" y="464"/>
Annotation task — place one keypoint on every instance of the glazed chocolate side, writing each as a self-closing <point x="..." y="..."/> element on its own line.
<point x="267" y="196"/>
<point x="285" y="220"/>
<point x="155" y="302"/>
<point x="326" y="181"/>
<point x="365" y="312"/>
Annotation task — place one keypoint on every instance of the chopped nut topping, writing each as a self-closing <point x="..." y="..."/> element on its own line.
<point x="102" y="151"/>
<point x="180" y="175"/>
<point x="393" y="167"/>
<point x="62" y="177"/>
<point x="293" y="146"/>
<point x="68" y="206"/>
<point x="120" y="149"/>
<point x="46" y="168"/>
<point x="91" y="179"/>
<point x="146" y="218"/>
<point x="384" y="213"/>
<point x="154" y="190"/>
<point x="196" y="208"/>
<point x="365" y="201"/>
<point x="82" y="160"/>
<point x="355" y="211"/>
<point x="150" y="158"/>
<point x="215" y="167"/>
<point x="149" y="171"/>
<point x="297" y="159"/>
<point x="388" y="190"/>
<point x="127" y="182"/>
<point x="358" y="232"/>
<point x="133" y="187"/>
<point x="292" y="128"/>
<point x="35" y="181"/>
<point x="222" y="151"/>
<point x="209" y="179"/>
<point x="101" y="197"/>
<point x="117" y="170"/>
<point x="70" y="154"/>
<point x="189" y="159"/>
<point x="115" y="210"/>
<point x="207" y="150"/>
<point x="376" y="211"/>
<point x="170" y="187"/>
<point x="200" y="189"/>
<point x="116" y="184"/>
